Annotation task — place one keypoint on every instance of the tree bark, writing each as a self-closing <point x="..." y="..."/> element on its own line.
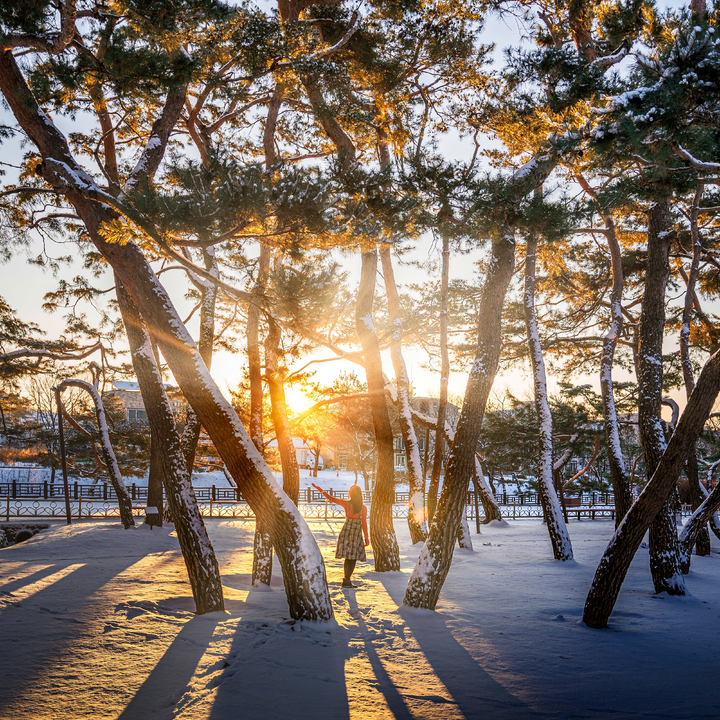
<point x="702" y="536"/>
<point x="206" y="341"/>
<point x="275" y="379"/>
<point x="416" y="506"/>
<point x="435" y="559"/>
<point x="197" y="550"/>
<point x="303" y="569"/>
<point x="552" y="511"/>
<point x="618" y="473"/>
<point x="156" y="482"/>
<point x="621" y="550"/>
<point x="444" y="378"/>
<point x="664" y="557"/>
<point x="382" y="532"/>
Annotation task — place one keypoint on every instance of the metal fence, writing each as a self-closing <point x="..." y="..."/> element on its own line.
<point x="37" y="500"/>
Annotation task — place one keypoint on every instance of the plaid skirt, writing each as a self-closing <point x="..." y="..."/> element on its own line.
<point x="351" y="543"/>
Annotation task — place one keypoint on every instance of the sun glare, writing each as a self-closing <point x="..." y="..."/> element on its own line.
<point x="297" y="401"/>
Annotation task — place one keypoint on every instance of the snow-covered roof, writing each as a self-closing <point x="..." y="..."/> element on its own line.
<point x="131" y="386"/>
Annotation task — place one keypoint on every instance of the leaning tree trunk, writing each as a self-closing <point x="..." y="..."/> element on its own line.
<point x="464" y="537"/>
<point x="702" y="536"/>
<point x="124" y="502"/>
<point x="696" y="524"/>
<point x="613" y="566"/>
<point x="416" y="505"/>
<point x="618" y="473"/>
<point x="433" y="565"/>
<point x="487" y="497"/>
<point x="444" y="379"/>
<point x="664" y="556"/>
<point x="382" y="532"/>
<point x="262" y="545"/>
<point x="300" y="558"/>
<point x="559" y="538"/>
<point x="195" y="544"/>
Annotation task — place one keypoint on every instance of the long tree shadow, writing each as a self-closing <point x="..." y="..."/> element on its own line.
<point x="170" y="677"/>
<point x="11" y="586"/>
<point x="37" y="632"/>
<point x="280" y="670"/>
<point x="394" y="699"/>
<point x="475" y="692"/>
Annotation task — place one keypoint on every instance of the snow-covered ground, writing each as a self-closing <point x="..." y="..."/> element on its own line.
<point x="97" y="622"/>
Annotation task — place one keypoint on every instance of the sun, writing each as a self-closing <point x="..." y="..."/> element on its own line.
<point x="297" y="401"/>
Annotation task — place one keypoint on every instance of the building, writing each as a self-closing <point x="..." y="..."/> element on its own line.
<point x="131" y="402"/>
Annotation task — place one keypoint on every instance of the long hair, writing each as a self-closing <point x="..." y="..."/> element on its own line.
<point x="356" y="499"/>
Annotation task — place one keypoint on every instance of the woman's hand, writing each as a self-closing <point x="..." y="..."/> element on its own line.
<point x="367" y="542"/>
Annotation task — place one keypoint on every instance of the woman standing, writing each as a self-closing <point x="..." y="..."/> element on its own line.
<point x="350" y="541"/>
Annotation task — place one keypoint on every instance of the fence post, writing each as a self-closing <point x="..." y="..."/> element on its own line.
<point x="45" y="490"/>
<point x="132" y="490"/>
<point x="14" y="488"/>
<point x="214" y="498"/>
<point x="75" y="491"/>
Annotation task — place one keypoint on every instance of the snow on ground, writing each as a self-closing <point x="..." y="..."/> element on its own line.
<point x="97" y="622"/>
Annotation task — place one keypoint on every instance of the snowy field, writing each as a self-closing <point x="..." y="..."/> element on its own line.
<point x="97" y="622"/>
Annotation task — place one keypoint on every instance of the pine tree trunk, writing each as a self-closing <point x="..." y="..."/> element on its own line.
<point x="618" y="473"/>
<point x="434" y="485"/>
<point x="552" y="511"/>
<point x="206" y="341"/>
<point x="416" y="506"/>
<point x="274" y="377"/>
<point x="435" y="558"/>
<point x="444" y="379"/>
<point x="155" y="483"/>
<point x="197" y="550"/>
<point x="702" y="536"/>
<point x="664" y="557"/>
<point x="382" y="532"/>
<point x="613" y="566"/>
<point x="262" y="545"/>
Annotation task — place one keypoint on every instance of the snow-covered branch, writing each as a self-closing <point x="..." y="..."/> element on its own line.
<point x="42" y="353"/>
<point x="697" y="164"/>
